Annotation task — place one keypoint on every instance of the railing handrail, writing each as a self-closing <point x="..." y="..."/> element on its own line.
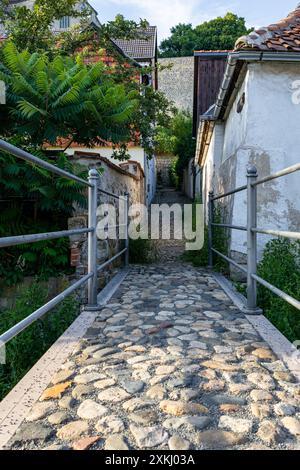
<point x="229" y="193"/>
<point x="23" y="155"/>
<point x="116" y="196"/>
<point x="90" y="278"/>
<point x="278" y="233"/>
<point x="287" y="171"/>
<point x="40" y="312"/>
<point x="252" y="232"/>
<point x="38" y="237"/>
<point x="235" y="227"/>
<point x="229" y="260"/>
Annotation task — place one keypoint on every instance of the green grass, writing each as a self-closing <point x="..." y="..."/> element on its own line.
<point x="220" y="243"/>
<point x="26" y="349"/>
<point x="280" y="266"/>
<point x="141" y="251"/>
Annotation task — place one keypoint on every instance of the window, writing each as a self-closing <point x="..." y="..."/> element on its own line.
<point x="64" y="22"/>
<point x="146" y="80"/>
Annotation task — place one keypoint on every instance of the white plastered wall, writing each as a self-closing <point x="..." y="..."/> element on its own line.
<point x="266" y="133"/>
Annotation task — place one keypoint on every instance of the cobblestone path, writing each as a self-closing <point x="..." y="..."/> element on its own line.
<point x="170" y="250"/>
<point x="170" y="363"/>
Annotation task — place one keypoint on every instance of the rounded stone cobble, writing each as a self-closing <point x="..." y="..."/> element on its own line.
<point x="170" y="363"/>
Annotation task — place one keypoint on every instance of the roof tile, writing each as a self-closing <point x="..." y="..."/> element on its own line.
<point x="281" y="36"/>
<point x="140" y="48"/>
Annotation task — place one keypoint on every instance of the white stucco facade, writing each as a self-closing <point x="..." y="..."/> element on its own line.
<point x="265" y="133"/>
<point x="212" y="163"/>
<point x="150" y="178"/>
<point x="192" y="181"/>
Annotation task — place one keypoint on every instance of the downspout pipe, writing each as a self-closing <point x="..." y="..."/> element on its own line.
<point x="230" y="68"/>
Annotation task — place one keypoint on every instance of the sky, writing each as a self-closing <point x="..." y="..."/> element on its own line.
<point x="167" y="13"/>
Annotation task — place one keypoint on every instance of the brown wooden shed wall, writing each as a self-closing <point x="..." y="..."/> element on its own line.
<point x="209" y="73"/>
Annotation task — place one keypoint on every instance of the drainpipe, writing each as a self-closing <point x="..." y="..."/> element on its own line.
<point x="248" y="56"/>
<point x="230" y="68"/>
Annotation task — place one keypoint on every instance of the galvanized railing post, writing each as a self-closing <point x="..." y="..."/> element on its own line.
<point x="251" y="237"/>
<point x="210" y="229"/>
<point x="127" y="229"/>
<point x="92" y="239"/>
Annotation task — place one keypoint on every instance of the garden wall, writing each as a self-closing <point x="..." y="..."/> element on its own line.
<point x="126" y="178"/>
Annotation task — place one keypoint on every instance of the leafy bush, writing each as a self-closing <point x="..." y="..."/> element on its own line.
<point x="141" y="251"/>
<point x="220" y="243"/>
<point x="45" y="259"/>
<point x="176" y="138"/>
<point x="25" y="350"/>
<point x="241" y="287"/>
<point x="174" y="178"/>
<point x="32" y="200"/>
<point x="280" y="266"/>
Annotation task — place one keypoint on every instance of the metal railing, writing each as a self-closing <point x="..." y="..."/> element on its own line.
<point x="252" y="231"/>
<point x="92" y="183"/>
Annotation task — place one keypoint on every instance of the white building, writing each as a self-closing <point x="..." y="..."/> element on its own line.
<point x="256" y="120"/>
<point x="66" y="22"/>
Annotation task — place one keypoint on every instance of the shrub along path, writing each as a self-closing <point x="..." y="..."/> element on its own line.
<point x="169" y="363"/>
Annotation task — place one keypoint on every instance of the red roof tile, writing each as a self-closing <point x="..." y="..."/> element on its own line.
<point x="281" y="36"/>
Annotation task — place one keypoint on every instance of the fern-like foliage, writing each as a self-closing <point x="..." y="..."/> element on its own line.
<point x="63" y="98"/>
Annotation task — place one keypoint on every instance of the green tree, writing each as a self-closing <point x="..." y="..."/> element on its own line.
<point x="62" y="97"/>
<point x="218" y="34"/>
<point x="153" y="112"/>
<point x="31" y="28"/>
<point x="181" y="43"/>
<point x="48" y="99"/>
<point x="177" y="138"/>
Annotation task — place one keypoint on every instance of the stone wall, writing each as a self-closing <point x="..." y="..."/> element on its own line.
<point x="114" y="179"/>
<point x="128" y="177"/>
<point x="177" y="82"/>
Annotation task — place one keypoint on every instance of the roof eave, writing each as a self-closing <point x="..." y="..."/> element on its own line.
<point x="204" y="137"/>
<point x="126" y="56"/>
<point x="211" y="53"/>
<point x="233" y="61"/>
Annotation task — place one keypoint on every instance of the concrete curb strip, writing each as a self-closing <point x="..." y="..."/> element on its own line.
<point x="17" y="404"/>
